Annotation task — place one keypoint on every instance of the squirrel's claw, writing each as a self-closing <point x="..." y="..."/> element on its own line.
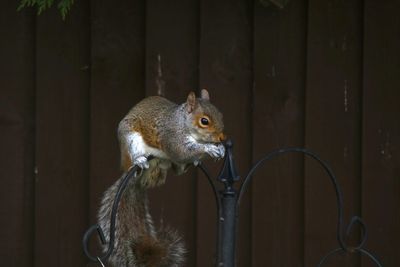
<point x="221" y="150"/>
<point x="141" y="162"/>
<point x="216" y="151"/>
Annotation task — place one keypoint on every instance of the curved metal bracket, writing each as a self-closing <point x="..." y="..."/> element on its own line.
<point x="85" y="241"/>
<point x="339" y="200"/>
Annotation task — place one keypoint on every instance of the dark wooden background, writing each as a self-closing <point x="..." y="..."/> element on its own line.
<point x="318" y="74"/>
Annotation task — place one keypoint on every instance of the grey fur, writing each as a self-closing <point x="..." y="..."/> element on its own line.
<point x="134" y="222"/>
<point x="181" y="144"/>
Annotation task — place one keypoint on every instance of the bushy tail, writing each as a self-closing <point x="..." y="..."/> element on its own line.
<point x="137" y="241"/>
<point x="164" y="250"/>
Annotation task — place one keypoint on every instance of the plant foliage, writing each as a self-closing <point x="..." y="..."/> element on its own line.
<point x="64" y="6"/>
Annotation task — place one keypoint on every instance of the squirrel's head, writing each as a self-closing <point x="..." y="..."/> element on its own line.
<point x="206" y="124"/>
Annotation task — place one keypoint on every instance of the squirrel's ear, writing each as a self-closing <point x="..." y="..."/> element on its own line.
<point x="205" y="95"/>
<point x="191" y="102"/>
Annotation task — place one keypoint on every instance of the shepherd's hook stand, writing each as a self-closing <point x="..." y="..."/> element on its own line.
<point x="227" y="201"/>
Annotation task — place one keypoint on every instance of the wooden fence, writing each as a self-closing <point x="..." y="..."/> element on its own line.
<point x="318" y="74"/>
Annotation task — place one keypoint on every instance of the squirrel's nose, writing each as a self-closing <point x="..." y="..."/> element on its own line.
<point x="222" y="137"/>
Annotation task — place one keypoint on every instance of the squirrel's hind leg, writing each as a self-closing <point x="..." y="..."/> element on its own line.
<point x="156" y="174"/>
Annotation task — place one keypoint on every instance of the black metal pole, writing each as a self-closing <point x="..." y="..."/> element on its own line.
<point x="228" y="213"/>
<point x="228" y="228"/>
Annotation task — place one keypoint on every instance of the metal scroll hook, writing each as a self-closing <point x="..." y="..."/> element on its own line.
<point x="343" y="246"/>
<point x="132" y="172"/>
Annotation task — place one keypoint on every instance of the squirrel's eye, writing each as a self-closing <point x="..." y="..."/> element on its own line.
<point x="204" y="121"/>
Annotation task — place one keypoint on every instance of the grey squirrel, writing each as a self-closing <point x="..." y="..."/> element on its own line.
<point x="177" y="136"/>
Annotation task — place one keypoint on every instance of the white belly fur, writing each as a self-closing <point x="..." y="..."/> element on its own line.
<point x="138" y="147"/>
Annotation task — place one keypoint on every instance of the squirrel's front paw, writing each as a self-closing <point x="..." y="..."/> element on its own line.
<point x="141" y="162"/>
<point x="216" y="151"/>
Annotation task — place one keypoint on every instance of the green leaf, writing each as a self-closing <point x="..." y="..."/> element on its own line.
<point x="64" y="6"/>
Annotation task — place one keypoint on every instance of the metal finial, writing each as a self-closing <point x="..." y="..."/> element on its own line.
<point x="228" y="173"/>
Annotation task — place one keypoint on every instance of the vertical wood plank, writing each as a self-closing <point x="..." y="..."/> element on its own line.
<point x="332" y="122"/>
<point x="17" y="134"/>
<point x="381" y="130"/>
<point x="62" y="49"/>
<point x="226" y="70"/>
<point x="278" y="121"/>
<point x="172" y="71"/>
<point x="117" y="83"/>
